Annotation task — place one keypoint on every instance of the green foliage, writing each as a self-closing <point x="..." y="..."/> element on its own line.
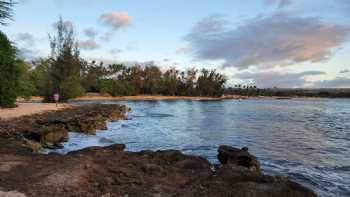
<point x="39" y="77"/>
<point x="65" y="65"/>
<point x="117" y="87"/>
<point x="170" y="82"/>
<point x="248" y="90"/>
<point x="210" y="83"/>
<point x="152" y="77"/>
<point x="93" y="73"/>
<point x="5" y="11"/>
<point x="25" y="85"/>
<point x="151" y="80"/>
<point x="9" y="73"/>
<point x="134" y="75"/>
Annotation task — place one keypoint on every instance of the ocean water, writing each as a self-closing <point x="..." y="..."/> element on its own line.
<point x="305" y="139"/>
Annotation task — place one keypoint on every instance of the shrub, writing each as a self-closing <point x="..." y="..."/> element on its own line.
<point x="117" y="87"/>
<point x="9" y="73"/>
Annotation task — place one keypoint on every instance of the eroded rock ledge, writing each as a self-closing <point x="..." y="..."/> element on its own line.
<point x="111" y="171"/>
<point x="51" y="128"/>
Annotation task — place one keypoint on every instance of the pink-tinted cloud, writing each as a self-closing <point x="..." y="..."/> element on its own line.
<point x="116" y="19"/>
<point x="276" y="40"/>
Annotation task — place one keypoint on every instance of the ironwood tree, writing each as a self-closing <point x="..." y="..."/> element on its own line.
<point x="65" y="64"/>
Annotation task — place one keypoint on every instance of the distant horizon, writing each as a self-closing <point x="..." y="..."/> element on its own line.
<point x="286" y="44"/>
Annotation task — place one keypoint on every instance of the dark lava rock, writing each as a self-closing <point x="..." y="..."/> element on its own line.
<point x="51" y="134"/>
<point x="240" y="157"/>
<point x="51" y="128"/>
<point x="100" y="171"/>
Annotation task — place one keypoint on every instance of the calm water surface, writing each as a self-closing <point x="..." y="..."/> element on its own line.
<point x="306" y="139"/>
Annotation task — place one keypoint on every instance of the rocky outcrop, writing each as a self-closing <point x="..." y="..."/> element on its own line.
<point x="238" y="157"/>
<point x="240" y="171"/>
<point x="111" y="171"/>
<point x="51" y="128"/>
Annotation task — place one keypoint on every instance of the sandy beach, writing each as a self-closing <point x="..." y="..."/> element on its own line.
<point x="30" y="108"/>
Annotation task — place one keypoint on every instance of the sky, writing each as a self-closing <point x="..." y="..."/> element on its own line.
<point x="267" y="43"/>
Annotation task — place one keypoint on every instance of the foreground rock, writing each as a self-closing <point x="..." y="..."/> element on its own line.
<point x="51" y="128"/>
<point x="238" y="157"/>
<point x="110" y="171"/>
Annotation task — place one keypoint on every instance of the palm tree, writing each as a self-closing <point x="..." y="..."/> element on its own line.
<point x="5" y="10"/>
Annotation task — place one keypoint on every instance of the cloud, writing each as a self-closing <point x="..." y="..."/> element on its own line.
<point x="278" y="79"/>
<point x="90" y="33"/>
<point x="116" y="19"/>
<point x="115" y="51"/>
<point x="339" y="82"/>
<point x="344" y="71"/>
<point x="26" y="38"/>
<point x="67" y="23"/>
<point x="267" y="41"/>
<point x="109" y="61"/>
<point x="89" y="44"/>
<point x="142" y="64"/>
<point x="26" y="54"/>
<point x="280" y="3"/>
<point x="107" y="36"/>
<point x="182" y="51"/>
<point x="26" y="46"/>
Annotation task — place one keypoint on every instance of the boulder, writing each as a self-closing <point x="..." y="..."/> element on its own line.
<point x="239" y="157"/>
<point x="52" y="134"/>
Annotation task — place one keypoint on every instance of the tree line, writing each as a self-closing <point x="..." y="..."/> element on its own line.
<point x="119" y="80"/>
<point x="248" y="90"/>
<point x="65" y="72"/>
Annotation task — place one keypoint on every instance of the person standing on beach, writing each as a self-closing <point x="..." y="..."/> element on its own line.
<point x="56" y="98"/>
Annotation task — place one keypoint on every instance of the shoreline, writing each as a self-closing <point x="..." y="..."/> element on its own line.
<point x="35" y="105"/>
<point x="112" y="171"/>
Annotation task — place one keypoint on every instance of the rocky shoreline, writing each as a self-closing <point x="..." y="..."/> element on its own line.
<point x="111" y="171"/>
<point x="51" y="128"/>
